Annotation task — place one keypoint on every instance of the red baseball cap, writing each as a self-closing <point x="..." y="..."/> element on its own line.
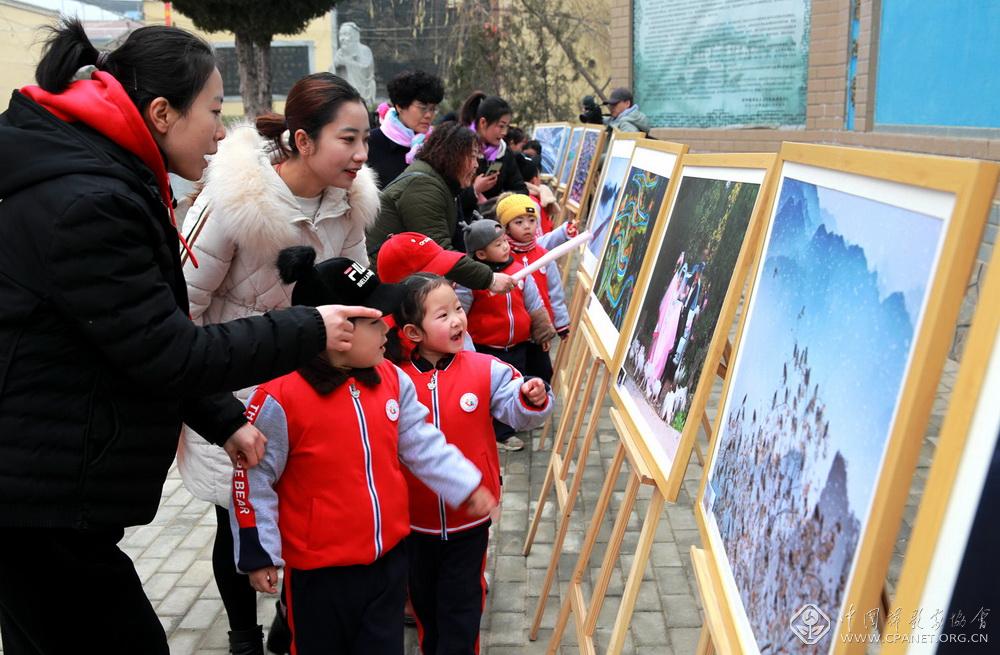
<point x="407" y="253"/>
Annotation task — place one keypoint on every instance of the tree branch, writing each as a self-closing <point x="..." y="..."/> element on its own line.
<point x="574" y="61"/>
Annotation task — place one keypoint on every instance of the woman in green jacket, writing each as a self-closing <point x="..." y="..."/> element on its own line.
<point x="424" y="199"/>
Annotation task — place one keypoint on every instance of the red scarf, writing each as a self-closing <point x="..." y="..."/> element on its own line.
<point x="102" y="104"/>
<point x="521" y="246"/>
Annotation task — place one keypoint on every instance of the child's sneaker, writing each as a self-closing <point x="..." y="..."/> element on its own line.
<point x="512" y="444"/>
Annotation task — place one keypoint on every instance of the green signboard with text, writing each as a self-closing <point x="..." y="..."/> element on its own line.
<point x="721" y="63"/>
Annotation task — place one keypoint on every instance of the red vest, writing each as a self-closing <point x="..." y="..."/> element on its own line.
<point x="342" y="495"/>
<point x="544" y="220"/>
<point x="540" y="277"/>
<point x="501" y="320"/>
<point x="458" y="398"/>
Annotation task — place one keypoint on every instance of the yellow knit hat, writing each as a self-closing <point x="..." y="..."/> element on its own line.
<point x="515" y="205"/>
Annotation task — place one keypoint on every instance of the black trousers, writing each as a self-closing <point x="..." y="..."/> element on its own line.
<point x="538" y="363"/>
<point x="349" y="610"/>
<point x="447" y="589"/>
<point x="516" y="356"/>
<point x="238" y="596"/>
<point x="73" y="591"/>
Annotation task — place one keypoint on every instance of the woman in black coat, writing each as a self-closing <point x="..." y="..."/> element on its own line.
<point x="415" y="96"/>
<point x="489" y="117"/>
<point x="99" y="362"/>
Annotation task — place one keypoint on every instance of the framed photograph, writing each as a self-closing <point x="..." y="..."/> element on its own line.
<point x="608" y="190"/>
<point x="570" y="161"/>
<point x="554" y="138"/>
<point x="643" y="200"/>
<point x="840" y="347"/>
<point x="948" y="585"/>
<point x="673" y="343"/>
<point x="590" y="151"/>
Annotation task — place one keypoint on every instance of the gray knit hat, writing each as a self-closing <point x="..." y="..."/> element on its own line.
<point x="481" y="234"/>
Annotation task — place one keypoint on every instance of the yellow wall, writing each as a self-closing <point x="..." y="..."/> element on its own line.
<point x="20" y="45"/>
<point x="317" y="34"/>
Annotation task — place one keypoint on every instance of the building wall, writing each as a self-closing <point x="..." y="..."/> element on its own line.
<point x="826" y="93"/>
<point x="826" y="109"/>
<point x="318" y="35"/>
<point x="20" y="45"/>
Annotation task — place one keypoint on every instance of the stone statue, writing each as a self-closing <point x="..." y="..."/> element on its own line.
<point x="353" y="61"/>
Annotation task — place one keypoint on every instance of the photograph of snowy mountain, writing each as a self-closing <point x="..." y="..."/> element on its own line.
<point x="553" y="139"/>
<point x="613" y="179"/>
<point x="680" y="309"/>
<point x="822" y="360"/>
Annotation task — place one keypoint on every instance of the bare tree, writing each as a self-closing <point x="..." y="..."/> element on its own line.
<point x="564" y="27"/>
<point x="524" y="53"/>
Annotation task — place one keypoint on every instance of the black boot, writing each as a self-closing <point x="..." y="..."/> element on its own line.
<point x="247" y="642"/>
<point x="279" y="637"/>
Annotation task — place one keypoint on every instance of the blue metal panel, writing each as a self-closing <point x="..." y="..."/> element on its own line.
<point x="939" y="63"/>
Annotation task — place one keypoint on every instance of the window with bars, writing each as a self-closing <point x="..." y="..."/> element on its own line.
<point x="289" y="63"/>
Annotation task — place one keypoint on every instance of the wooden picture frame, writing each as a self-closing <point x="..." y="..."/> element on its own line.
<point x="608" y="190"/>
<point x="651" y="179"/>
<point x="569" y="161"/>
<point x="554" y="138"/>
<point x="865" y="192"/>
<point x="719" y="205"/>
<point x="954" y="518"/>
<point x="591" y="148"/>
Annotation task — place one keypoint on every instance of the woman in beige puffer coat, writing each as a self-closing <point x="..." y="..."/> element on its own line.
<point x="262" y="192"/>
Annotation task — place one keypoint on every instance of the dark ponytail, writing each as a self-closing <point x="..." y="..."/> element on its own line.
<point x="66" y="50"/>
<point x="154" y="61"/>
<point x="312" y="103"/>
<point x="479" y="105"/>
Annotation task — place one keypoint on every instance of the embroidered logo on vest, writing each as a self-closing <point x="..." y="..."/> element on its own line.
<point x="392" y="409"/>
<point x="468" y="402"/>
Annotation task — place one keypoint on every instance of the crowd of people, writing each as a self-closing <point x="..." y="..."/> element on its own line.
<point x="335" y="359"/>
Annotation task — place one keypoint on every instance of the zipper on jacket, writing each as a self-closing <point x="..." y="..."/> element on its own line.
<point x="369" y="472"/>
<point x="510" y="316"/>
<point x="436" y="417"/>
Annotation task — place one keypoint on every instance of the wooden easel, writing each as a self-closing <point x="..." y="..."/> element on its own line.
<point x="585" y="614"/>
<point x="564" y="448"/>
<point x="569" y="349"/>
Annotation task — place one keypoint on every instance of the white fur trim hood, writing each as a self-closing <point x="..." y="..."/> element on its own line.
<point x="261" y="208"/>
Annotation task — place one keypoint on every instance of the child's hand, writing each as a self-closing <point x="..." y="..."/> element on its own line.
<point x="481" y="502"/>
<point x="534" y="391"/>
<point x="265" y="580"/>
<point x="573" y="228"/>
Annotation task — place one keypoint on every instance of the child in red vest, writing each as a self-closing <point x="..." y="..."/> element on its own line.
<point x="547" y="235"/>
<point x="503" y="325"/>
<point x="464" y="391"/>
<point x="518" y="214"/>
<point x="328" y="501"/>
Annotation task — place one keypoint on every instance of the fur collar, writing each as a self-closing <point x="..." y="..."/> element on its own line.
<point x="261" y="211"/>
